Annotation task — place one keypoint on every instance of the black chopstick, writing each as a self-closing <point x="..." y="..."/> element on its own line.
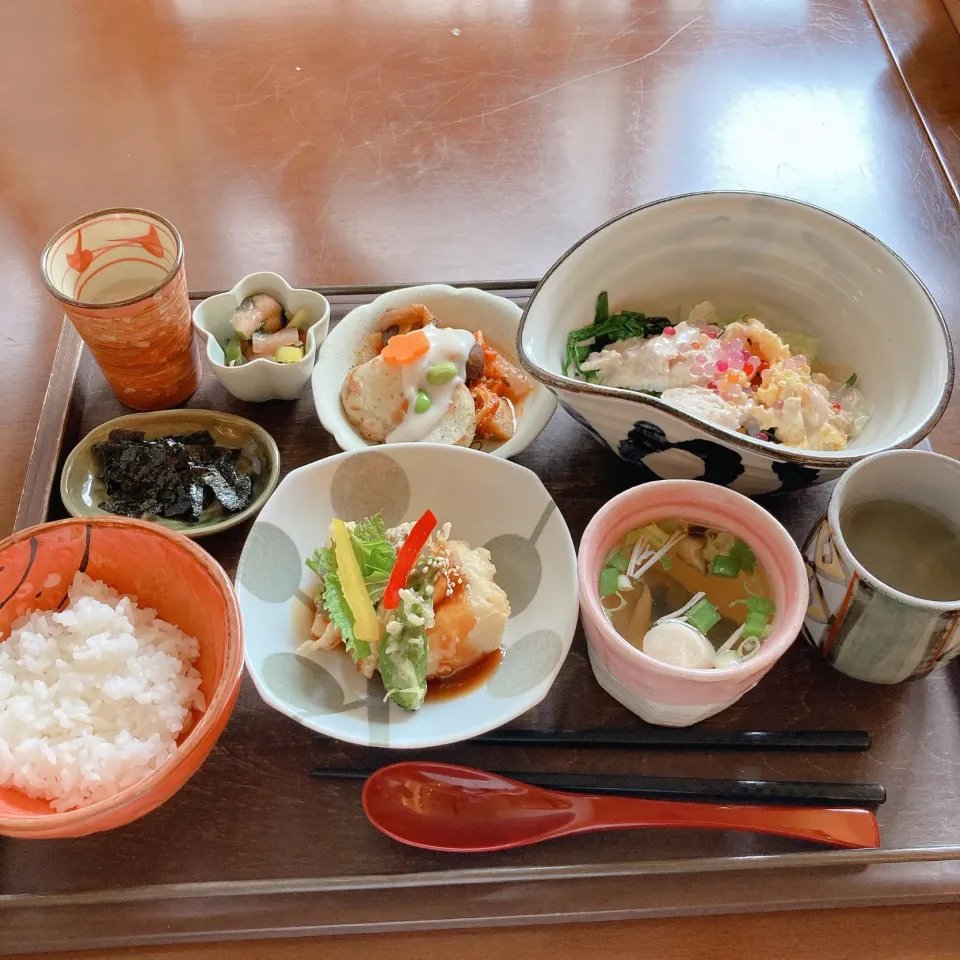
<point x="688" y="738"/>
<point x="781" y="792"/>
<point x="839" y="741"/>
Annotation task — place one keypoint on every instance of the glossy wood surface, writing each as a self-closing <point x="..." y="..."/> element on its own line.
<point x="386" y="140"/>
<point x="953" y="8"/>
<point x="924" y="933"/>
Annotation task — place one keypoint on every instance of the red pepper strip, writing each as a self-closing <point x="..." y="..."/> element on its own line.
<point x="406" y="558"/>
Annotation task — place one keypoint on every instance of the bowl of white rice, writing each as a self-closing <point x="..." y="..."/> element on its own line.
<point x="121" y="654"/>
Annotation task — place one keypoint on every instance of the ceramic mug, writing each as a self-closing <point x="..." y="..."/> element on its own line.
<point x="862" y="626"/>
<point x="119" y="275"/>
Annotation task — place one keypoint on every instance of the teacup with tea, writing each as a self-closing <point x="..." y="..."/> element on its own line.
<point x="883" y="566"/>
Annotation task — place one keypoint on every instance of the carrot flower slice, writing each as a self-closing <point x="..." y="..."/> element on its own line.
<point x="406" y="347"/>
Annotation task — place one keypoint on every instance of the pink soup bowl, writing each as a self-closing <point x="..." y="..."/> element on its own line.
<point x="658" y="692"/>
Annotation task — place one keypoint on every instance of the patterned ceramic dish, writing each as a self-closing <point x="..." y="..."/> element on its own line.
<point x="81" y="488"/>
<point x="797" y="267"/>
<point x="862" y="626"/>
<point x="659" y="692"/>
<point x="465" y="309"/>
<point x="524" y="531"/>
<point x="165" y="571"/>
<point x="261" y="379"/>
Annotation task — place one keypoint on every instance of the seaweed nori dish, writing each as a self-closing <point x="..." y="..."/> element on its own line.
<point x="174" y="477"/>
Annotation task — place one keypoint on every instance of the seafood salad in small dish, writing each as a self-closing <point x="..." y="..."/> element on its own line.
<point x="408" y="602"/>
<point x="263" y="329"/>
<point x="737" y="373"/>
<point x="262" y="336"/>
<point x="430" y="364"/>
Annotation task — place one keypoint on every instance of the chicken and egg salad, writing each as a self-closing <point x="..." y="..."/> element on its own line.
<point x="407" y="601"/>
<point x="419" y="380"/>
<point x="738" y="374"/>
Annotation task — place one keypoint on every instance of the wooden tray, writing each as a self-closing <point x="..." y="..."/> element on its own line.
<point x="253" y="846"/>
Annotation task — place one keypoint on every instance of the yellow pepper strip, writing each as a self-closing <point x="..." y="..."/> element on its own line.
<point x="365" y="624"/>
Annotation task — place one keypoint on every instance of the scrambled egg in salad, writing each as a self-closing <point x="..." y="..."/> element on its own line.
<point x="739" y="375"/>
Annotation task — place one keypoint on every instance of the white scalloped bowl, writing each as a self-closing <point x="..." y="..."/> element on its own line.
<point x="261" y="379"/>
<point x="464" y="309"/>
<point x="528" y="540"/>
<point x="797" y="268"/>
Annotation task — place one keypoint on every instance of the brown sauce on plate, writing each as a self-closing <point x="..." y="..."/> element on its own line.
<point x="466" y="680"/>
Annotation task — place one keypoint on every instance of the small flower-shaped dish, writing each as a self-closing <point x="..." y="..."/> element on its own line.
<point x="261" y="379"/>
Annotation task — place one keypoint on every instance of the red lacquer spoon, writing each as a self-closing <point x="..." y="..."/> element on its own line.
<point x="439" y="806"/>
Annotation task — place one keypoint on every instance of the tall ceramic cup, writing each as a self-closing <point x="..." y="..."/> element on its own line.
<point x="862" y="626"/>
<point x="119" y="275"/>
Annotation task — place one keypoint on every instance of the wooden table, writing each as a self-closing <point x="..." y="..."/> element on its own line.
<point x="404" y="141"/>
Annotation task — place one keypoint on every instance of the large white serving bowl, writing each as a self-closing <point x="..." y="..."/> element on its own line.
<point x="796" y="267"/>
<point x="489" y="502"/>
<point x="464" y="308"/>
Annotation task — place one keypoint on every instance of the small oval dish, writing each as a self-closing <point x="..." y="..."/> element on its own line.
<point x="261" y="379"/>
<point x="323" y="689"/>
<point x="460" y="309"/>
<point x="791" y="265"/>
<point x="82" y="489"/>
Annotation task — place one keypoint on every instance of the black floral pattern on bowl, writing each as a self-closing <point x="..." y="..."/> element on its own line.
<point x="721" y="465"/>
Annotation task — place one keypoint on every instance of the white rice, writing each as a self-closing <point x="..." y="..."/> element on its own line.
<point x="92" y="699"/>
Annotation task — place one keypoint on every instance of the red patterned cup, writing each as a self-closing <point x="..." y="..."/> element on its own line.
<point x="119" y="274"/>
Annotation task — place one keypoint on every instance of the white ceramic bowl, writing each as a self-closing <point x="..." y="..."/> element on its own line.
<point x="261" y="379"/>
<point x="525" y="533"/>
<point x="464" y="309"/>
<point x="798" y="268"/>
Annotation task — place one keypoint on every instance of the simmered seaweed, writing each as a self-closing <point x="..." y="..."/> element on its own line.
<point x="173" y="477"/>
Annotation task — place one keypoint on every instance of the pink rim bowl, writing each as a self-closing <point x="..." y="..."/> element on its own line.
<point x="658" y="692"/>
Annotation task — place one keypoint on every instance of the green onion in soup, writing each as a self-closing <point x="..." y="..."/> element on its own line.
<point x="688" y="595"/>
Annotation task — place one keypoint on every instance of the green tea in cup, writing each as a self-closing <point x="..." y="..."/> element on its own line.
<point x="908" y="547"/>
<point x="883" y="566"/>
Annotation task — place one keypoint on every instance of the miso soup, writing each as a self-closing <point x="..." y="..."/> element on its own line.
<point x="688" y="595"/>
